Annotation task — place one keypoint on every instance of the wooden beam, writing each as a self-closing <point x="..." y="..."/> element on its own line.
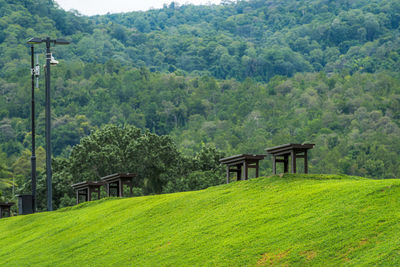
<point x="227" y="174"/>
<point x="89" y="194"/>
<point x="131" y="188"/>
<point x="293" y="158"/>
<point x="286" y="164"/>
<point x="246" y="171"/>
<point x="305" y="162"/>
<point x="257" y="169"/>
<point x="77" y="197"/>
<point x="120" y="188"/>
<point x="274" y="164"/>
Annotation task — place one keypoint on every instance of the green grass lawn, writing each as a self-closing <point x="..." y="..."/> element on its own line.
<point x="315" y="220"/>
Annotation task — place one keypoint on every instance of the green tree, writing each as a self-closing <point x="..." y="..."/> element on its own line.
<point x="114" y="149"/>
<point x="5" y="174"/>
<point x="203" y="171"/>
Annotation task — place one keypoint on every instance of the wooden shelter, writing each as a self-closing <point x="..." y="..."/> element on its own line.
<point x="117" y="181"/>
<point x="86" y="189"/>
<point x="241" y="164"/>
<point x="5" y="207"/>
<point x="294" y="151"/>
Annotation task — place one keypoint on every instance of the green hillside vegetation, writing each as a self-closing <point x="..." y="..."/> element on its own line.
<point x="295" y="219"/>
<point x="238" y="39"/>
<point x="241" y="76"/>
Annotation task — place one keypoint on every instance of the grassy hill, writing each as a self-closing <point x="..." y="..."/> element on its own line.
<point x="295" y="220"/>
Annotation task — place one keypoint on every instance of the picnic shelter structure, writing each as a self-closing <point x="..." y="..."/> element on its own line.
<point x="294" y="151"/>
<point x="117" y="181"/>
<point x="5" y="209"/>
<point x="240" y="164"/>
<point x="86" y="189"/>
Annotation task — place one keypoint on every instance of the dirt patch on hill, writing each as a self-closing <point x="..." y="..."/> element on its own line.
<point x="271" y="259"/>
<point x="309" y="254"/>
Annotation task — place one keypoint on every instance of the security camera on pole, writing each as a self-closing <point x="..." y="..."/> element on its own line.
<point x="49" y="61"/>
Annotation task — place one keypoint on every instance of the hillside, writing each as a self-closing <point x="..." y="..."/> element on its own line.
<point x="237" y="39"/>
<point x="241" y="76"/>
<point x="301" y="220"/>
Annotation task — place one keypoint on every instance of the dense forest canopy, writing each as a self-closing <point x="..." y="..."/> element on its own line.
<point x="240" y="76"/>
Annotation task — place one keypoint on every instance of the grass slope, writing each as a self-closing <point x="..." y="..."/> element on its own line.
<point x="295" y="219"/>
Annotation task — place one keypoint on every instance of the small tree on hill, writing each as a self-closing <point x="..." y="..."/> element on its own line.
<point x="205" y="171"/>
<point x="112" y="149"/>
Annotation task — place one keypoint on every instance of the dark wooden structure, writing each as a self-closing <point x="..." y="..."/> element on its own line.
<point x="241" y="164"/>
<point x="86" y="189"/>
<point x="25" y="204"/>
<point x="294" y="151"/>
<point x="117" y="181"/>
<point x="5" y="207"/>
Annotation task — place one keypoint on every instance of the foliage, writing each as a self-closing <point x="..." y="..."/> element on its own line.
<point x="238" y="39"/>
<point x="204" y="171"/>
<point x="115" y="149"/>
<point x="22" y="168"/>
<point x="5" y="174"/>
<point x="291" y="220"/>
<point x="207" y="159"/>
<point x="241" y="76"/>
<point x="112" y="149"/>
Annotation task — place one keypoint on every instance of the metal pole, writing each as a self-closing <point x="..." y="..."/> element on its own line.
<point x="33" y="157"/>
<point x="48" y="128"/>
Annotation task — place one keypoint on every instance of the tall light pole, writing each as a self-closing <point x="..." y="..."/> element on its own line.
<point x="49" y="61"/>
<point x="34" y="73"/>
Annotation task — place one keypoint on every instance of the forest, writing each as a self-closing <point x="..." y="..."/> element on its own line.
<point x="201" y="82"/>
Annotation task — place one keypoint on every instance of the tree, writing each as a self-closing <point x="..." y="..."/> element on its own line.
<point x="21" y="168"/>
<point x="114" y="149"/>
<point x="5" y="174"/>
<point x="207" y="159"/>
<point x="103" y="152"/>
<point x="204" y="171"/>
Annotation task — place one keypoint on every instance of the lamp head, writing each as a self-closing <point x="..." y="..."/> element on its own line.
<point x="34" y="40"/>
<point x="53" y="61"/>
<point x="61" y="42"/>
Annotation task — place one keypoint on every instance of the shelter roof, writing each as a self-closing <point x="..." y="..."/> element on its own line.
<point x="289" y="147"/>
<point x="242" y="157"/>
<point x="87" y="184"/>
<point x="117" y="176"/>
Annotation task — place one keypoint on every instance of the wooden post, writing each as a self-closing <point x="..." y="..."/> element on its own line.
<point x="131" y="188"/>
<point x="98" y="192"/>
<point x="257" y="166"/>
<point x="274" y="164"/>
<point x="239" y="172"/>
<point x="246" y="170"/>
<point x="77" y="197"/>
<point x="227" y="174"/>
<point x="1" y="212"/>
<point x="305" y="162"/>
<point x="286" y="164"/>
<point x="108" y="189"/>
<point x="293" y="156"/>
<point x="120" y="188"/>
<point x="89" y="196"/>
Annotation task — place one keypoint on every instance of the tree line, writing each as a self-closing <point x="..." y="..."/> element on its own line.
<point x="240" y="77"/>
